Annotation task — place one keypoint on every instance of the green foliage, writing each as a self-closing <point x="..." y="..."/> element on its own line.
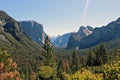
<point x="82" y="74"/>
<point x="45" y="71"/>
<point x="23" y="52"/>
<point x="102" y="52"/>
<point x="101" y="55"/>
<point x="3" y="55"/>
<point x="112" y="70"/>
<point x="74" y="61"/>
<point x="91" y="57"/>
<point x="48" y="53"/>
<point x="60" y="69"/>
<point x="49" y="58"/>
<point x="97" y="57"/>
<point x="8" y="68"/>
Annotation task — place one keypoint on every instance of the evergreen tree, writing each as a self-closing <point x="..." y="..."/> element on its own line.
<point x="60" y="70"/>
<point x="74" y="61"/>
<point x="49" y="56"/>
<point x="60" y="67"/>
<point x="83" y="61"/>
<point x="49" y="59"/>
<point x="101" y="55"/>
<point x="91" y="58"/>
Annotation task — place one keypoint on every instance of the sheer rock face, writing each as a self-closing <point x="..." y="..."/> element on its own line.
<point x="74" y="39"/>
<point x="34" y="30"/>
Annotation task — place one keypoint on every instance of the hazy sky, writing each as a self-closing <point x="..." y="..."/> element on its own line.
<point x="62" y="16"/>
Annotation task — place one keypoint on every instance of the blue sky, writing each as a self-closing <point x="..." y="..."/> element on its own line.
<point x="62" y="16"/>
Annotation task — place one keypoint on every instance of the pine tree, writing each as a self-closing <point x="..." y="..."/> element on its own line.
<point x="91" y="58"/>
<point x="98" y="60"/>
<point x="101" y="55"/>
<point x="60" y="70"/>
<point x="74" y="61"/>
<point x="49" y="59"/>
<point x="83" y="61"/>
<point x="49" y="56"/>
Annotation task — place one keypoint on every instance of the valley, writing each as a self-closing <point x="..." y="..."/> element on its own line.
<point x="28" y="53"/>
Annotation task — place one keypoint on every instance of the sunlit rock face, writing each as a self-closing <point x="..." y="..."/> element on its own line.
<point x="34" y="30"/>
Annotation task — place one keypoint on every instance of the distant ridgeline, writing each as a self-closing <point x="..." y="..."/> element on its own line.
<point x="26" y="31"/>
<point x="109" y="33"/>
<point x="73" y="37"/>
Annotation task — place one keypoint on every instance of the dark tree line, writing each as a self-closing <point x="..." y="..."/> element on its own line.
<point x="97" y="56"/>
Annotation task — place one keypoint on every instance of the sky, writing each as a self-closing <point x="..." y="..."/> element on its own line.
<point x="63" y="16"/>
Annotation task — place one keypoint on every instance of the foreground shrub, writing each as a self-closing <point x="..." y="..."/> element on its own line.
<point x="45" y="72"/>
<point x="112" y="71"/>
<point x="8" y="67"/>
<point x="82" y="74"/>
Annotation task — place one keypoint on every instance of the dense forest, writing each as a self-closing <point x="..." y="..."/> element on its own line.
<point x="97" y="64"/>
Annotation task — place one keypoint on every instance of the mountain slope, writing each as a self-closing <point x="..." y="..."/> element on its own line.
<point x="13" y="39"/>
<point x="103" y="34"/>
<point x="74" y="39"/>
<point x="61" y="41"/>
<point x="34" y="30"/>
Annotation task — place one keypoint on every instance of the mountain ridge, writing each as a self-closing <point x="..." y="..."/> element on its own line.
<point x="14" y="41"/>
<point x="103" y="34"/>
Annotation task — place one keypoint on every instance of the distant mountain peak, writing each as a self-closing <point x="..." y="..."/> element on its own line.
<point x="81" y="28"/>
<point x="85" y="30"/>
<point x="61" y="41"/>
<point x="74" y="39"/>
<point x="90" y="28"/>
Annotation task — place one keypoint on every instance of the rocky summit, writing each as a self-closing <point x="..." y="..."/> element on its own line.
<point x="74" y="39"/>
